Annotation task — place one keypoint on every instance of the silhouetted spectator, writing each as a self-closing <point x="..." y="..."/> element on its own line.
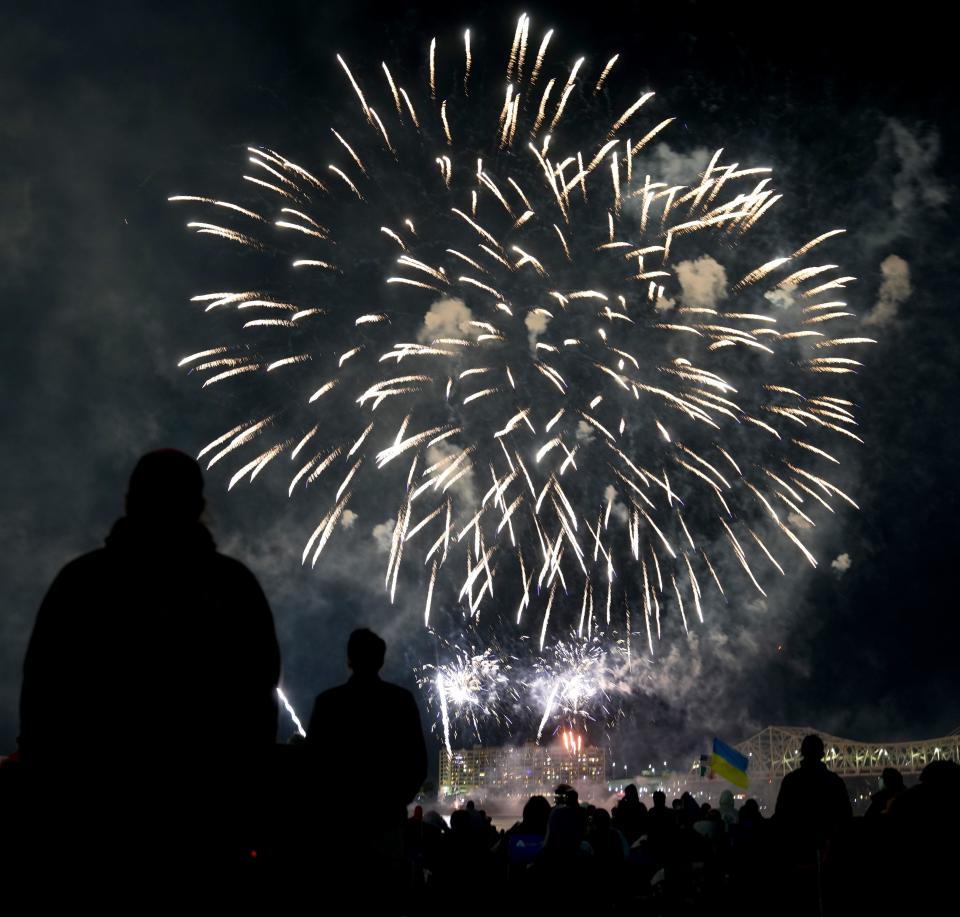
<point x="892" y="787"/>
<point x="522" y="842"/>
<point x="422" y="840"/>
<point x="748" y="833"/>
<point x="813" y="809"/>
<point x="661" y="826"/>
<point x="561" y="877"/>
<point x="750" y="813"/>
<point x="690" y="810"/>
<point x="813" y="803"/>
<point x="629" y="814"/>
<point x="728" y="812"/>
<point x="380" y="725"/>
<point x="536" y="814"/>
<point x="367" y="753"/>
<point x="608" y="845"/>
<point x="710" y="825"/>
<point x="149" y="681"/>
<point x="922" y="825"/>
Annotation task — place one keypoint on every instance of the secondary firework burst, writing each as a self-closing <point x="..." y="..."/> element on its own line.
<point x="468" y="693"/>
<point x="471" y="310"/>
<point x="575" y="684"/>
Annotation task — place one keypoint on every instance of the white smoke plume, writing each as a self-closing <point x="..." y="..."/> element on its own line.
<point x="841" y="564"/>
<point x="782" y="297"/>
<point x="678" y="168"/>
<point x="915" y="185"/>
<point x="383" y="535"/>
<point x="895" y="289"/>
<point x="584" y="432"/>
<point x="464" y="488"/>
<point x="446" y="317"/>
<point x="703" y="282"/>
<point x="618" y="510"/>
<point x="536" y="323"/>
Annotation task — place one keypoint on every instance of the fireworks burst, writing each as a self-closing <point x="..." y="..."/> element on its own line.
<point x="475" y="304"/>
<point x="572" y="686"/>
<point x="471" y="688"/>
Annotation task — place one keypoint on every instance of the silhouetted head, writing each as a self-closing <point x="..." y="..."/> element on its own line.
<point x="600" y="820"/>
<point x="536" y="814"/>
<point x="436" y="820"/>
<point x="166" y="488"/>
<point x="892" y="779"/>
<point x="365" y="652"/>
<point x="811" y="748"/>
<point x="750" y="810"/>
<point x="630" y="793"/>
<point x="659" y="799"/>
<point x="564" y="831"/>
<point x="560" y="794"/>
<point x="573" y="798"/>
<point x="471" y="805"/>
<point x="942" y="776"/>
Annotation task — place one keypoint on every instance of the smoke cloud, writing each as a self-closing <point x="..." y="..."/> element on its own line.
<point x="383" y="535"/>
<point x="584" y="432"/>
<point x="703" y="282"/>
<point x="446" y="317"/>
<point x="895" y="289"/>
<point x="678" y="168"/>
<point x="841" y="564"/>
<point x="536" y="323"/>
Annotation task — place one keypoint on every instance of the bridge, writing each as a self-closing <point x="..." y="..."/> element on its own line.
<point x="775" y="751"/>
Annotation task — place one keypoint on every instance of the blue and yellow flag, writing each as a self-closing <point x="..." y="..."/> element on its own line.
<point x="728" y="763"/>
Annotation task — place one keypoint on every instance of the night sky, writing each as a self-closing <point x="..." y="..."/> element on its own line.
<point x="109" y="109"/>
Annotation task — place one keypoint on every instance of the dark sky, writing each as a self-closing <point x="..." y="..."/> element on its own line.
<point x="108" y="108"/>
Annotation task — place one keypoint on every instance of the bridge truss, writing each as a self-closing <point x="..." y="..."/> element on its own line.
<point x="775" y="751"/>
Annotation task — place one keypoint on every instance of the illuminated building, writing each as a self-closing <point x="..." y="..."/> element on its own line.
<point x="522" y="771"/>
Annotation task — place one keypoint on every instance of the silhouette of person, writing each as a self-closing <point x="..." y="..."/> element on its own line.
<point x="813" y="803"/>
<point x="149" y="680"/>
<point x="380" y="724"/>
<point x="368" y="758"/>
<point x="923" y="822"/>
<point x="813" y="810"/>
<point x="892" y="788"/>
<point x="629" y="816"/>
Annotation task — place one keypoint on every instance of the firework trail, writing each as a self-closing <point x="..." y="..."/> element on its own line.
<point x="470" y="309"/>
<point x="293" y="713"/>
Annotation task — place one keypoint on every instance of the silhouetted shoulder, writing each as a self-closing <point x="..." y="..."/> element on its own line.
<point x="85" y="565"/>
<point x="72" y="583"/>
<point x="398" y="694"/>
<point x="332" y="695"/>
<point x="236" y="575"/>
<point x="230" y="566"/>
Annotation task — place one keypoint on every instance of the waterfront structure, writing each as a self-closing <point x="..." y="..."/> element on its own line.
<point x="775" y="751"/>
<point x="521" y="771"/>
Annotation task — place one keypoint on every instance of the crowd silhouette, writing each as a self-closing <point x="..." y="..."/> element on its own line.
<point x="147" y="763"/>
